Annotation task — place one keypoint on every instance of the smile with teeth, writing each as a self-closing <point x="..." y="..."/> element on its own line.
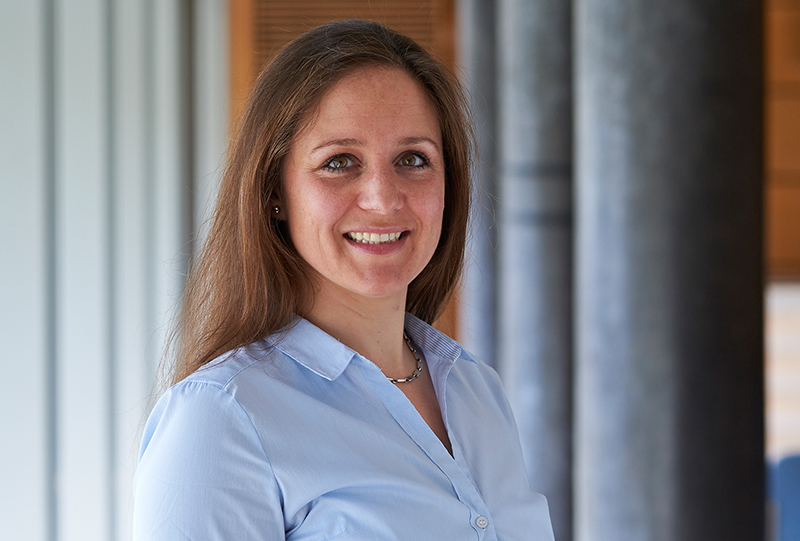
<point x="374" y="238"/>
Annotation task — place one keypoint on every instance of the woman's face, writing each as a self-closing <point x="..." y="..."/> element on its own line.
<point x="363" y="185"/>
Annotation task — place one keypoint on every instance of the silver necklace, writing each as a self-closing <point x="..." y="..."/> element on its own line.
<point x="417" y="372"/>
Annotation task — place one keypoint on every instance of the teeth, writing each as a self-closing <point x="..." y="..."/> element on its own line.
<point x="375" y="238"/>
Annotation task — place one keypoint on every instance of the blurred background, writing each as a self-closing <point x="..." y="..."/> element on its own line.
<point x="633" y="268"/>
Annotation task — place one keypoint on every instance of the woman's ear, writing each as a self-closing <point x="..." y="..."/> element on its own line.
<point x="276" y="208"/>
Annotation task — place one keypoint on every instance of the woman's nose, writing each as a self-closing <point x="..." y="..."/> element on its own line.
<point x="381" y="191"/>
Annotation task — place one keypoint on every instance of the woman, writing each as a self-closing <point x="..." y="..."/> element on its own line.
<point x="312" y="399"/>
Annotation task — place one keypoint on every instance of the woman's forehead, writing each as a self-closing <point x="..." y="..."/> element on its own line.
<point x="373" y="102"/>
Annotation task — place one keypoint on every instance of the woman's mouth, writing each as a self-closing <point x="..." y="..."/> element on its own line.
<point x="374" y="238"/>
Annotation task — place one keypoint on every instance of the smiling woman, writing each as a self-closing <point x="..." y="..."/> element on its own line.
<point x="311" y="397"/>
<point x="369" y="166"/>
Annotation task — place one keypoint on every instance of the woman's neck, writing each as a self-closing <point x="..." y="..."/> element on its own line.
<point x="372" y="327"/>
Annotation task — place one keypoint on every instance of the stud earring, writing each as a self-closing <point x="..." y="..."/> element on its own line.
<point x="276" y="209"/>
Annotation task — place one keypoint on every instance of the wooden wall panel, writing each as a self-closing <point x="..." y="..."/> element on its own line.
<point x="783" y="225"/>
<point x="782" y="127"/>
<point x="783" y="40"/>
<point x="279" y="21"/>
<point x="783" y="119"/>
<point x="241" y="64"/>
<point x="259" y="28"/>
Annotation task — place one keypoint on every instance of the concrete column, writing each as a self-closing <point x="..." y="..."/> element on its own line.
<point x="478" y="71"/>
<point x="535" y="96"/>
<point x="669" y="367"/>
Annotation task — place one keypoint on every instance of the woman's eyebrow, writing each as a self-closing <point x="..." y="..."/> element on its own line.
<point x="417" y="140"/>
<point x="338" y="142"/>
<point x="357" y="142"/>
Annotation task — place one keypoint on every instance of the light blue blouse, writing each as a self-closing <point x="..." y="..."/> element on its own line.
<point x="298" y="437"/>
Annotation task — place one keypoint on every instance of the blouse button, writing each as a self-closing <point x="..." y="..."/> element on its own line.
<point x="482" y="522"/>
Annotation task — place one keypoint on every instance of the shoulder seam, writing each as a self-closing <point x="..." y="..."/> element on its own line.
<point x="196" y="376"/>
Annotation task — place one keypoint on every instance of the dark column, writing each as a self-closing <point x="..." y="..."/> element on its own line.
<point x="478" y="295"/>
<point x="535" y="97"/>
<point x="669" y="433"/>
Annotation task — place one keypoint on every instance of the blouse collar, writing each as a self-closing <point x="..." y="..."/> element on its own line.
<point x="324" y="355"/>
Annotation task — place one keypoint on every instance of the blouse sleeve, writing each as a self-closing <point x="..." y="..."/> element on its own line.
<point x="203" y="473"/>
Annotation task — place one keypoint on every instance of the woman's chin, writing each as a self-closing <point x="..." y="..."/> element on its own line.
<point x="369" y="288"/>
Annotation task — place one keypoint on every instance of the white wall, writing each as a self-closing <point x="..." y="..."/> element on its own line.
<point x="100" y="183"/>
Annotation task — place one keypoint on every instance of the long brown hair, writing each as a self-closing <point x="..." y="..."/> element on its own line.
<point x="248" y="281"/>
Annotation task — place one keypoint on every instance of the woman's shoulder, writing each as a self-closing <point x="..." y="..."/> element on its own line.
<point x="229" y="384"/>
<point x="231" y="366"/>
<point x="214" y="386"/>
<point x="202" y="463"/>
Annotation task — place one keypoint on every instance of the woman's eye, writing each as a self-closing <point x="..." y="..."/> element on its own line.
<point x="338" y="162"/>
<point x="412" y="160"/>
